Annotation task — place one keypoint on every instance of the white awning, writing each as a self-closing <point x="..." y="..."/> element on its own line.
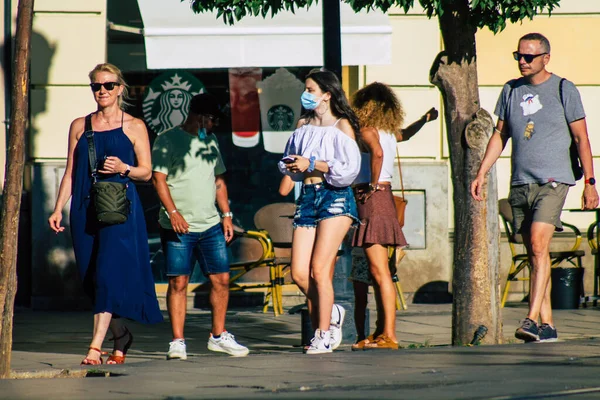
<point x="176" y="37"/>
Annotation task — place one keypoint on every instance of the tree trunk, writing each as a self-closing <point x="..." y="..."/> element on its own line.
<point x="474" y="283"/>
<point x="13" y="184"/>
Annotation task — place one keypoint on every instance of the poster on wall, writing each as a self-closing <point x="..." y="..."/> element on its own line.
<point x="279" y="96"/>
<point x="167" y="99"/>
<point x="245" y="110"/>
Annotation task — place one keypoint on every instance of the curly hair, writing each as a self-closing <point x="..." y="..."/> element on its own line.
<point x="377" y="106"/>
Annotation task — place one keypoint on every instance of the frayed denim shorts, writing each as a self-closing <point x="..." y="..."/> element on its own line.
<point x="320" y="201"/>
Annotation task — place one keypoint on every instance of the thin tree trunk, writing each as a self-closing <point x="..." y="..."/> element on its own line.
<point x="474" y="280"/>
<point x="13" y="184"/>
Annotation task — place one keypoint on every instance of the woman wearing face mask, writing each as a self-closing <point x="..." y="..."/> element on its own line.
<point x="323" y="154"/>
<point x="113" y="260"/>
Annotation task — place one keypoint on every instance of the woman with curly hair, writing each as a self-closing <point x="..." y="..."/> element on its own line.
<point x="380" y="115"/>
<point x="323" y="154"/>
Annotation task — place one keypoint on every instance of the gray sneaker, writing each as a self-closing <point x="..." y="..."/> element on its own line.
<point x="528" y="331"/>
<point x="547" y="333"/>
<point x="226" y="344"/>
<point x="177" y="350"/>
<point x="335" y="325"/>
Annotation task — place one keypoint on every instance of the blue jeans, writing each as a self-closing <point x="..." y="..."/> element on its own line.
<point x="208" y="248"/>
<point x="321" y="201"/>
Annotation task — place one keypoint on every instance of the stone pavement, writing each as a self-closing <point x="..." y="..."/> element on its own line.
<point x="276" y="368"/>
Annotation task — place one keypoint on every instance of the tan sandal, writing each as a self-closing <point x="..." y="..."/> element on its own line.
<point x="360" y="345"/>
<point x="382" y="342"/>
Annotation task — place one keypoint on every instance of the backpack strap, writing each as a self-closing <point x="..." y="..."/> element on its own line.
<point x="89" y="135"/>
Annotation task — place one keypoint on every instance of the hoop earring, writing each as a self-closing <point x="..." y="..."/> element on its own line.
<point x="325" y="110"/>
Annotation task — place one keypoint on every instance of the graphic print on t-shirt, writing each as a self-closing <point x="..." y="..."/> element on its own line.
<point x="530" y="105"/>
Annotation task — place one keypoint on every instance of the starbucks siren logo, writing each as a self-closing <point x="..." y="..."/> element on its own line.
<point x="167" y="99"/>
<point x="280" y="117"/>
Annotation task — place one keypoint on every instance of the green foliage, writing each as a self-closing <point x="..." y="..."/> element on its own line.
<point x="492" y="14"/>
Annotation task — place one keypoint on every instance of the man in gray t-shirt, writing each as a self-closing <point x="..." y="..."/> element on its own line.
<point x="537" y="111"/>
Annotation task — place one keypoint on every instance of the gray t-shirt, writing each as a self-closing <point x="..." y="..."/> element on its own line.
<point x="537" y="123"/>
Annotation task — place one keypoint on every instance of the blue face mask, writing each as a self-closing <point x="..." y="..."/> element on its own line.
<point x="202" y="133"/>
<point x="309" y="101"/>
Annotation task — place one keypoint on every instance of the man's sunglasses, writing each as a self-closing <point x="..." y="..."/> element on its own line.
<point x="527" y="57"/>
<point x="107" y="85"/>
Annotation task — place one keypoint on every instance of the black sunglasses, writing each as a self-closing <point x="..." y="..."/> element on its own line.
<point x="107" y="85"/>
<point x="527" y="57"/>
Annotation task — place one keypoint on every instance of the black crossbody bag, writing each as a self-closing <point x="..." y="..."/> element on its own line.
<point x="109" y="199"/>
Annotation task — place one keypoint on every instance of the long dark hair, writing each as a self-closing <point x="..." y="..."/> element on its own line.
<point x="329" y="83"/>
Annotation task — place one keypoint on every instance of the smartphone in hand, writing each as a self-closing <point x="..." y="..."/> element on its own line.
<point x="288" y="159"/>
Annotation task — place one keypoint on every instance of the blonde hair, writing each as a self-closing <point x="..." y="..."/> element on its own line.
<point x="113" y="69"/>
<point x="377" y="106"/>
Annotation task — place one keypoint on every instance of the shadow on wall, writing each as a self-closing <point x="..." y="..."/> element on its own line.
<point x="435" y="292"/>
<point x="54" y="279"/>
<point x="43" y="52"/>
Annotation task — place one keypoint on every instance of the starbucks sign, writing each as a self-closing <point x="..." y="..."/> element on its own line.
<point x="280" y="117"/>
<point x="167" y="99"/>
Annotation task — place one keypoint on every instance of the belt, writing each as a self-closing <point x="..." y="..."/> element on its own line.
<point x="364" y="187"/>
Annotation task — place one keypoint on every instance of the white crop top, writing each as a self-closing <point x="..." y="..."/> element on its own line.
<point x="328" y="144"/>
<point x="388" y="145"/>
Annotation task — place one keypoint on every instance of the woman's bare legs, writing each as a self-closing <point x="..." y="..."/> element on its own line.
<point x="101" y="323"/>
<point x="302" y="247"/>
<point x="329" y="236"/>
<point x="377" y="255"/>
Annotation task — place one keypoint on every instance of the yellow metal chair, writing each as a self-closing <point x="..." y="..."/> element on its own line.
<point x="520" y="260"/>
<point x="277" y="219"/>
<point x="394" y="257"/>
<point x="250" y="250"/>
<point x="593" y="242"/>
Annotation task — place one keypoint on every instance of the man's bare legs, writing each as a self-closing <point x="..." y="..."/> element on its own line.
<point x="538" y="249"/>
<point x="177" y="304"/>
<point x="537" y="242"/>
<point x="219" y="299"/>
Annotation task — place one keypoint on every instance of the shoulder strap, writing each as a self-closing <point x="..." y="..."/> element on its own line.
<point x="560" y="92"/>
<point x="89" y="135"/>
<point x="400" y="171"/>
<point x="338" y="120"/>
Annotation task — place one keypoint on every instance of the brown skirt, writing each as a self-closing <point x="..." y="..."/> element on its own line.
<point x="378" y="221"/>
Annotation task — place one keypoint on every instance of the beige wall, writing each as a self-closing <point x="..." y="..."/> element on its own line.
<point x="69" y="40"/>
<point x="573" y="31"/>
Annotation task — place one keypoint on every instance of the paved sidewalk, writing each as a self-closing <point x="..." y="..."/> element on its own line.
<point x="277" y="368"/>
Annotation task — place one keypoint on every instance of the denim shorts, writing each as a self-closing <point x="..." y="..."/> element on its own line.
<point x="320" y="201"/>
<point x="182" y="250"/>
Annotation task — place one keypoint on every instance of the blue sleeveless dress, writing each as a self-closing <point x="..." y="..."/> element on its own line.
<point x="113" y="261"/>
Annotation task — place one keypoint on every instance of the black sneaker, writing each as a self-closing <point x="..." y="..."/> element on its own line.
<point x="548" y="333"/>
<point x="528" y="331"/>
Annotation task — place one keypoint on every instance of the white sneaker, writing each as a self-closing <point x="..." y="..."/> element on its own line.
<point x="320" y="343"/>
<point x="177" y="350"/>
<point x="227" y="344"/>
<point x="335" y="328"/>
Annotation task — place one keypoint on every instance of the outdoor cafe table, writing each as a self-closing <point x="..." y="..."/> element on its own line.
<point x="595" y="297"/>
